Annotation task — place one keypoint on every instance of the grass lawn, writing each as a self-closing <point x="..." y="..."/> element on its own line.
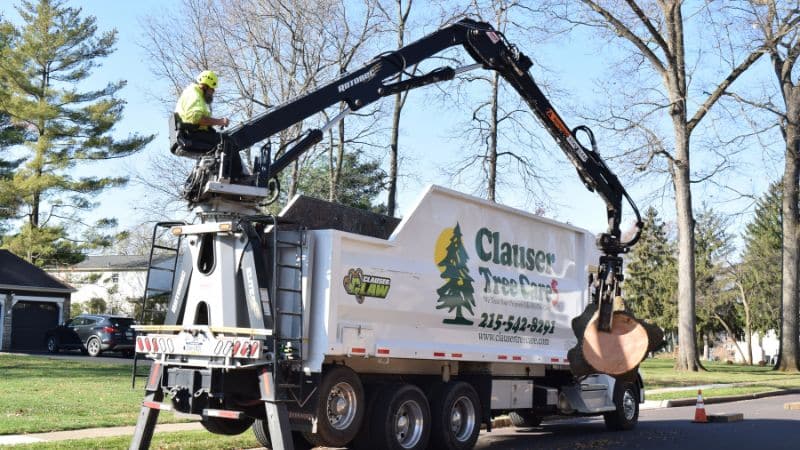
<point x="189" y="440"/>
<point x="40" y="394"/>
<point x="659" y="373"/>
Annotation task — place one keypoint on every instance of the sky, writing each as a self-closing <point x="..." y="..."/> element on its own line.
<point x="427" y="146"/>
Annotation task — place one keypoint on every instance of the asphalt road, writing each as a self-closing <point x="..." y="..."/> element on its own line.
<point x="766" y="426"/>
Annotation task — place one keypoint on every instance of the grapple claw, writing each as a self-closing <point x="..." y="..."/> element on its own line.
<point x="617" y="352"/>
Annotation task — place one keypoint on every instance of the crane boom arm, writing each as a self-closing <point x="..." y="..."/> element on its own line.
<point x="490" y="50"/>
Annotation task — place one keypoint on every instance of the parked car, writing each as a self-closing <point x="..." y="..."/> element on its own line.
<point x="93" y="334"/>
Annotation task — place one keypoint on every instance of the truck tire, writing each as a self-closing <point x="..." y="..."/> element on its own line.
<point x="455" y="416"/>
<point x="52" y="345"/>
<point x="626" y="416"/>
<point x="227" y="427"/>
<point x="522" y="418"/>
<point x="363" y="439"/>
<point x="261" y="432"/>
<point x="400" y="419"/>
<point x="93" y="347"/>
<point x="340" y="409"/>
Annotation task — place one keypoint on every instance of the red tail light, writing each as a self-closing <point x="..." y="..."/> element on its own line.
<point x="109" y="329"/>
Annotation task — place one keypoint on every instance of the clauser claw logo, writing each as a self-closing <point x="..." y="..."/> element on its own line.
<point x="358" y="284"/>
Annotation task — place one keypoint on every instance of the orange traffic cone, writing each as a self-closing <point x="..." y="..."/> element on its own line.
<point x="700" y="409"/>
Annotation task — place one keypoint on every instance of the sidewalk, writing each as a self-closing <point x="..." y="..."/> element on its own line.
<point x="86" y="433"/>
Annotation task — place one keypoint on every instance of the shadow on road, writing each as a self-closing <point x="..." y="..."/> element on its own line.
<point x="761" y="434"/>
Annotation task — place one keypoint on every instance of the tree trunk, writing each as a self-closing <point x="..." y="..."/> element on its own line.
<point x="491" y="160"/>
<point x="337" y="173"/>
<point x="391" y="203"/>
<point x="731" y="336"/>
<point x="687" y="352"/>
<point x="705" y="346"/>
<point x="295" y="178"/>
<point x="748" y="327"/>
<point x="399" y="101"/>
<point x="331" y="168"/>
<point x="788" y="359"/>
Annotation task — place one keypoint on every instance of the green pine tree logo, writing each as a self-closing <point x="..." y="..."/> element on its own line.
<point x="457" y="292"/>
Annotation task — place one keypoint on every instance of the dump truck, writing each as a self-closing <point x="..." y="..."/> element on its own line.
<point x="333" y="326"/>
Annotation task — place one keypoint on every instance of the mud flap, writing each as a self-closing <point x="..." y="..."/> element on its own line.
<point x="617" y="353"/>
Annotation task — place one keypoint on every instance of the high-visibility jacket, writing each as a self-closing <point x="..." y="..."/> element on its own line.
<point x="192" y="105"/>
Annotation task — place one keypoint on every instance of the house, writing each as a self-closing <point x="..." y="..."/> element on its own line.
<point x="765" y="348"/>
<point x="118" y="280"/>
<point x="31" y="302"/>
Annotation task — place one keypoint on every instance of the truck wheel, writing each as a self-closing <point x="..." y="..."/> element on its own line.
<point x="455" y="412"/>
<point x="625" y="417"/>
<point x="363" y="439"/>
<point x="228" y="427"/>
<point x="261" y="431"/>
<point x="524" y="419"/>
<point x="340" y="409"/>
<point x="401" y="419"/>
<point x="93" y="347"/>
<point x="52" y="345"/>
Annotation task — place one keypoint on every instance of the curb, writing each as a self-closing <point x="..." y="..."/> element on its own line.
<point x="726" y="399"/>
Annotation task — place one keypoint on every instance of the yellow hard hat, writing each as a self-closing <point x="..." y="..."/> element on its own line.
<point x="209" y="78"/>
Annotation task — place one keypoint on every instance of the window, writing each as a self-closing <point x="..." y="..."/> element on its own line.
<point x="115" y="278"/>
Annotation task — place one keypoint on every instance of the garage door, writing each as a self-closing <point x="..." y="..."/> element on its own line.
<point x="29" y="322"/>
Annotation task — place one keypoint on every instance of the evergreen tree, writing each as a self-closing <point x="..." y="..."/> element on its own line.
<point x="761" y="261"/>
<point x="360" y="182"/>
<point x="46" y="60"/>
<point x="457" y="292"/>
<point x="651" y="275"/>
<point x="717" y="307"/>
<point x="10" y="134"/>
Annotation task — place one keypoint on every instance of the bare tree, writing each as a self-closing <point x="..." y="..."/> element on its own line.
<point x="349" y="36"/>
<point x="654" y="33"/>
<point x="267" y="52"/>
<point x="400" y="24"/>
<point x="499" y="131"/>
<point x="778" y="23"/>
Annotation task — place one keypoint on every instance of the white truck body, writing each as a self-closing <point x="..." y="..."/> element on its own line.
<point x="528" y="277"/>
<point x="465" y="298"/>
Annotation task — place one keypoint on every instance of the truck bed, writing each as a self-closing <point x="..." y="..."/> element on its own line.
<point x="460" y="278"/>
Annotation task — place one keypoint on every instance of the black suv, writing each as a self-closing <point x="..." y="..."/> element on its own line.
<point x="93" y="334"/>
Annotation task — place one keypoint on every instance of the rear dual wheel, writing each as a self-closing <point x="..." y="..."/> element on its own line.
<point x="340" y="409"/>
<point x="455" y="414"/>
<point x="398" y="418"/>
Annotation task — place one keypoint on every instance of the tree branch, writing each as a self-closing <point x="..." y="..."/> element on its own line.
<point x="722" y="87"/>
<point x="625" y="32"/>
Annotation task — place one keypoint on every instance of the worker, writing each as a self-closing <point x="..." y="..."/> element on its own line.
<point x="194" y="110"/>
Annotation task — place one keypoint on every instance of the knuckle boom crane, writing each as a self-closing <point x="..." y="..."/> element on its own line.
<point x="491" y="51"/>
<point x="238" y="347"/>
